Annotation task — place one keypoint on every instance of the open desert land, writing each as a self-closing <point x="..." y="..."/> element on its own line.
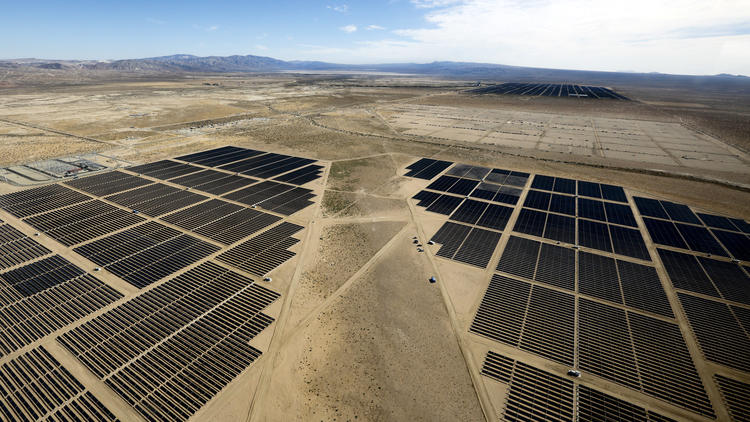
<point x="355" y="331"/>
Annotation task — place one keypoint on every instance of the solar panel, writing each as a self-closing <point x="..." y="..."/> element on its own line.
<point x="656" y="342"/>
<point x="588" y="208"/>
<point x="589" y="189"/>
<point x="736" y="395"/>
<point x="560" y="228"/>
<point x="680" y="212"/>
<point x="716" y="221"/>
<point x="497" y="176"/>
<point x="443" y="183"/>
<point x="497" y="366"/>
<point x="264" y="252"/>
<point x="597" y="276"/>
<point x="613" y="193"/>
<point x="543" y="182"/>
<point x="729" y="279"/>
<point x="537" y="199"/>
<point x="425" y="198"/>
<point x="564" y="185"/>
<point x="594" y="235"/>
<point x="519" y="257"/>
<point x="178" y="344"/>
<point x="37" y="200"/>
<point x="44" y="296"/>
<point x="450" y="236"/>
<point x="463" y="187"/>
<point x="620" y="214"/>
<point x="700" y="239"/>
<point x="445" y="204"/>
<point x="485" y="191"/>
<point x="595" y="406"/>
<point x="501" y="312"/>
<point x="16" y="247"/>
<point x="563" y="204"/>
<point x="664" y="233"/>
<point x="685" y="273"/>
<point x="604" y="343"/>
<point x="45" y="390"/>
<point x="495" y="217"/>
<point x="532" y="385"/>
<point x="530" y="222"/>
<point x="478" y="247"/>
<point x="642" y="288"/>
<point x="629" y="242"/>
<point x="737" y="244"/>
<point x="102" y="184"/>
<point x="557" y="266"/>
<point x="469" y="211"/>
<point x="549" y="326"/>
<point x="83" y="222"/>
<point x="720" y="335"/>
<point x="650" y="207"/>
<point x="508" y="195"/>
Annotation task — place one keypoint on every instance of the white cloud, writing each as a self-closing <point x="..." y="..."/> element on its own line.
<point x="374" y="28"/>
<point x="261" y="47"/>
<point x="675" y="36"/>
<point x="343" y="8"/>
<point x="349" y="28"/>
<point x="212" y="28"/>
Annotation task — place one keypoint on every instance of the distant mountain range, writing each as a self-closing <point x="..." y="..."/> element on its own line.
<point x="185" y="63"/>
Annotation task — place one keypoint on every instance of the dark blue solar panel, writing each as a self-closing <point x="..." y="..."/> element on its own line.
<point x="620" y="214"/>
<point x="563" y="185"/>
<point x="594" y="235"/>
<point x="589" y="189"/>
<point x="537" y="199"/>
<point x="589" y="208"/>
<point x="543" y="182"/>
<point x="650" y="207"/>
<point x="664" y="233"/>
<point x="613" y="193"/>
<point x="629" y="242"/>
<point x="561" y="228"/>
<point x="680" y="212"/>
<point x="737" y="244"/>
<point x="563" y="204"/>
<point x="700" y="239"/>
<point x="530" y="222"/>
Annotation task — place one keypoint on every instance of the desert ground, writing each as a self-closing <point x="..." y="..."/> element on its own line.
<point x="359" y="333"/>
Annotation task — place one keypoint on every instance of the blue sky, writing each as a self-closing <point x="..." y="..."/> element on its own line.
<point x="673" y="36"/>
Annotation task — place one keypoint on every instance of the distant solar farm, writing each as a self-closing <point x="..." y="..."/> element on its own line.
<point x="550" y="90"/>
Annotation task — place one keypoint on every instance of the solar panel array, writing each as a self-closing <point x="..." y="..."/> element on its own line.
<point x="550" y="90"/>
<point x="146" y="253"/>
<point x="736" y="395"/>
<point x="534" y="394"/>
<point x="82" y="222"/>
<point x="41" y="297"/>
<point x="168" y="351"/>
<point x="677" y="226"/>
<point x="264" y="252"/>
<point x="28" y="202"/>
<point x="16" y="247"/>
<point x="426" y="168"/>
<point x="614" y="343"/>
<point x="34" y="386"/>
<point x="616" y="320"/>
<point x="470" y="245"/>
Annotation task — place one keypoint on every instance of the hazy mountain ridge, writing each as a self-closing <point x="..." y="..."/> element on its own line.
<point x="186" y="63"/>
